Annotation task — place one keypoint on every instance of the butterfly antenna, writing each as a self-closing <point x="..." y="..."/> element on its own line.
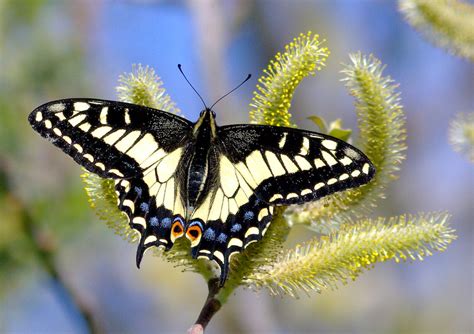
<point x="184" y="75"/>
<point x="246" y="79"/>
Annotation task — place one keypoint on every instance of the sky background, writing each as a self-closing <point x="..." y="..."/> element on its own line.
<point x="79" y="48"/>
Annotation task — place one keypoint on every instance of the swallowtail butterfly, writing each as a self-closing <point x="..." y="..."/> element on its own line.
<point x="215" y="185"/>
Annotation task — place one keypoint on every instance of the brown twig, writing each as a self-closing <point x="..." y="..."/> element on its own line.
<point x="210" y="308"/>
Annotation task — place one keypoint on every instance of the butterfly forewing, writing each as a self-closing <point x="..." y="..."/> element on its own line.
<point x="290" y="166"/>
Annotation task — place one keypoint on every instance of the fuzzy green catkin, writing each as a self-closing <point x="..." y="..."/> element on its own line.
<point x="327" y="262"/>
<point x="382" y="138"/>
<point x="272" y="99"/>
<point x="446" y="23"/>
<point x="461" y="134"/>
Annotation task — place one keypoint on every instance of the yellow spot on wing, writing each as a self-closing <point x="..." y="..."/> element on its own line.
<point x="252" y="231"/>
<point x="75" y="120"/>
<point x="125" y="143"/>
<point x="329" y="144"/>
<point x="143" y="148"/>
<point x="39" y="116"/>
<point x="289" y="165"/>
<point x="81" y="106"/>
<point x="303" y="163"/>
<point x="101" y="131"/>
<point x="274" y="163"/>
<point x="229" y="181"/>
<point x="215" y="212"/>
<point x="260" y="171"/>
<point x="167" y="166"/>
<point x="112" y="138"/>
<point x="329" y="158"/>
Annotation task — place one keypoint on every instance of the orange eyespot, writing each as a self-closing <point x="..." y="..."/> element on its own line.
<point x="177" y="230"/>
<point x="193" y="233"/>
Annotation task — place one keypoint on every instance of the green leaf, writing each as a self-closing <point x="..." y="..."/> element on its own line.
<point x="320" y="122"/>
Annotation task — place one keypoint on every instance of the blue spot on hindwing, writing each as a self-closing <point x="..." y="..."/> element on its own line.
<point x="248" y="215"/>
<point x="144" y="207"/>
<point x="153" y="221"/>
<point x="139" y="191"/>
<point x="209" y="234"/>
<point x="236" y="228"/>
<point x="222" y="238"/>
<point x="166" y="222"/>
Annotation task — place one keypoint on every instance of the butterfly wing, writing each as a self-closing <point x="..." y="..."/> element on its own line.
<point x="264" y="166"/>
<point x="137" y="146"/>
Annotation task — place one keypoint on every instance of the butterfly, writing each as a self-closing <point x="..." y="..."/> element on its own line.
<point x="215" y="185"/>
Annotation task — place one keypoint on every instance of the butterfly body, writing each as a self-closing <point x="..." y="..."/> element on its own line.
<point x="215" y="185"/>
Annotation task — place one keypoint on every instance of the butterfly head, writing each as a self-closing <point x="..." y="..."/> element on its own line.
<point x="206" y="124"/>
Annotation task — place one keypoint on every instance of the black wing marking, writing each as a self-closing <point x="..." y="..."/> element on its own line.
<point x="263" y="166"/>
<point x="137" y="146"/>
<point x="111" y="139"/>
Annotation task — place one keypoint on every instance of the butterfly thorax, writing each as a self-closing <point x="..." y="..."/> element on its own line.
<point x="200" y="175"/>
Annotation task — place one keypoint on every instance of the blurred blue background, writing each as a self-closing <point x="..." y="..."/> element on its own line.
<point x="51" y="50"/>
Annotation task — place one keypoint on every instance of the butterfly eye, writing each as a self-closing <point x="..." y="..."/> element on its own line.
<point x="194" y="234"/>
<point x="213" y="113"/>
<point x="201" y="113"/>
<point x="177" y="230"/>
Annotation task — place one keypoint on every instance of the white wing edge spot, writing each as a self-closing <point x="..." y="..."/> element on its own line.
<point x="219" y="255"/>
<point x="252" y="231"/>
<point x="100" y="165"/>
<point x="276" y="197"/>
<point x="39" y="116"/>
<point x="67" y="139"/>
<point x="343" y="177"/>
<point x="78" y="148"/>
<point x="139" y="221"/>
<point x="57" y="132"/>
<point x="89" y="157"/>
<point x="365" y="168"/>
<point x="150" y="239"/>
<point x="332" y="181"/>
<point x="48" y="124"/>
<point x="355" y="173"/>
<point x="262" y="213"/>
<point x="291" y="195"/>
<point x="235" y="242"/>
<point x="319" y="185"/>
<point x="306" y="192"/>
